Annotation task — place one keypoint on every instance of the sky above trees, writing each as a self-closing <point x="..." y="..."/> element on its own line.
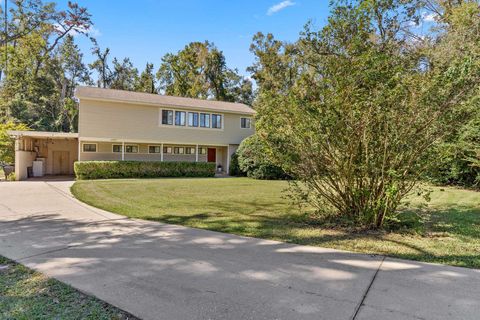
<point x="145" y="30"/>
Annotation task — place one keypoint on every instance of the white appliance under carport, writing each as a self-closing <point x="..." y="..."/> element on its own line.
<point x="39" y="166"/>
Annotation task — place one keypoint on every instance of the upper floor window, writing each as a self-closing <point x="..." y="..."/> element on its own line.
<point x="193" y="119"/>
<point x="216" y="121"/>
<point x="179" y="118"/>
<point x="167" y="117"/>
<point x="245" y="123"/>
<point x="154" y="149"/>
<point x="89" y="147"/>
<point x="204" y="120"/>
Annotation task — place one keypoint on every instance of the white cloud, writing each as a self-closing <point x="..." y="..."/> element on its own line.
<point x="280" y="6"/>
<point x="91" y="31"/>
<point x="429" y="17"/>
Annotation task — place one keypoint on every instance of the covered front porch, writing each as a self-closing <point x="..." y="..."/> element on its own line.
<point x="39" y="154"/>
<point x="92" y="149"/>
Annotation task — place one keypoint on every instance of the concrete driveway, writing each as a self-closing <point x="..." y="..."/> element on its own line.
<point x="160" y="271"/>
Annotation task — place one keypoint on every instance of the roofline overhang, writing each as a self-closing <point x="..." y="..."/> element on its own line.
<point x="42" y="134"/>
<point x="159" y="105"/>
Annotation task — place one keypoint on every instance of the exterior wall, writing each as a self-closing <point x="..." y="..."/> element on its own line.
<point x="61" y="145"/>
<point x="121" y="121"/>
<point x="28" y="149"/>
<point x="23" y="159"/>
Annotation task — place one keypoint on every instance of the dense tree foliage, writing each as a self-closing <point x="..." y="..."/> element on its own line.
<point x="41" y="65"/>
<point x="352" y="110"/>
<point x="200" y="71"/>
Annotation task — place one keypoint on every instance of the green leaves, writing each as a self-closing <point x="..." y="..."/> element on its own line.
<point x="349" y="111"/>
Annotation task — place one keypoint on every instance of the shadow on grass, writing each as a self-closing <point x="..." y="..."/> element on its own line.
<point x="420" y="240"/>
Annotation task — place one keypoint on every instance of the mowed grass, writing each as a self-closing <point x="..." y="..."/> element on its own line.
<point x="449" y="232"/>
<point x="25" y="294"/>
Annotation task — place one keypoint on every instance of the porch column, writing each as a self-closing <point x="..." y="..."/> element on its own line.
<point x="79" y="149"/>
<point x="228" y="159"/>
<point x="123" y="150"/>
<point x="161" y="152"/>
<point x="196" y="153"/>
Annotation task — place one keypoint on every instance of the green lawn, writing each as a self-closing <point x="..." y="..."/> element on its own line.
<point x="25" y="294"/>
<point x="450" y="232"/>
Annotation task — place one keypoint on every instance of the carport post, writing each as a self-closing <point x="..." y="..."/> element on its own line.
<point x="161" y="152"/>
<point x="196" y="153"/>
<point x="123" y="150"/>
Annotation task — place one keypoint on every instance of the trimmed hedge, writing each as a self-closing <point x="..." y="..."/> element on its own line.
<point x="85" y="170"/>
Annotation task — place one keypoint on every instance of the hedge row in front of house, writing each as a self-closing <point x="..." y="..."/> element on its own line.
<point x="87" y="170"/>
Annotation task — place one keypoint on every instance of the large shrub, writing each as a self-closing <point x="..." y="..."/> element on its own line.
<point x="234" y="169"/>
<point x="456" y="159"/>
<point x="353" y="109"/>
<point x="142" y="169"/>
<point x="253" y="160"/>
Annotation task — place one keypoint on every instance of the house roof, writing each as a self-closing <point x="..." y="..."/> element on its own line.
<point x="41" y="134"/>
<point x="100" y="94"/>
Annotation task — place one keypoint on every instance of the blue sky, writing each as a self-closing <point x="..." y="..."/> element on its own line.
<point x="145" y="30"/>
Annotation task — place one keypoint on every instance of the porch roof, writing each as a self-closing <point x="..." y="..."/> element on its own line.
<point x="42" y="134"/>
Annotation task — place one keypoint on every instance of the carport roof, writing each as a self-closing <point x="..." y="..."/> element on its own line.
<point x="41" y="134"/>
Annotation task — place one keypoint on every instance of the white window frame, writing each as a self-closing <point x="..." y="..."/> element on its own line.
<point x="165" y="151"/>
<point x="116" y="144"/>
<point x="187" y="113"/>
<point x="161" y="117"/>
<point x="131" y="145"/>
<point x="177" y="147"/>
<point x="155" y="145"/>
<point x="250" y="122"/>
<point x="96" y="147"/>
<point x="184" y="118"/>
<point x="222" y="120"/>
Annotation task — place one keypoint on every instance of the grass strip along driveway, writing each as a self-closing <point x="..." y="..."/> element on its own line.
<point x="449" y="232"/>
<point x="25" y="294"/>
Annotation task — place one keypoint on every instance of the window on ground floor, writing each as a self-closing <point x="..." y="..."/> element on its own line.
<point x="167" y="150"/>
<point x="89" y="147"/>
<point x="202" y="150"/>
<point x="117" y="148"/>
<point x="179" y="150"/>
<point x="154" y="149"/>
<point x="190" y="150"/>
<point x="131" y="148"/>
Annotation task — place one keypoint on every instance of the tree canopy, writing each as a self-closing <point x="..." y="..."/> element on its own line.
<point x="353" y="109"/>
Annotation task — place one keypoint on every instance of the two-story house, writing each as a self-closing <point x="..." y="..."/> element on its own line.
<point x="124" y="125"/>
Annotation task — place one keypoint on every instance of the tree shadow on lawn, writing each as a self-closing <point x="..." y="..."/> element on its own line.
<point x="439" y="238"/>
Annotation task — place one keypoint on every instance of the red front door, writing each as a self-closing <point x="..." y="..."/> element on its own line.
<point x="212" y="155"/>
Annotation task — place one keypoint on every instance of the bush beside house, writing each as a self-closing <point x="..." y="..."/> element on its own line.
<point x="86" y="170"/>
<point x="253" y="160"/>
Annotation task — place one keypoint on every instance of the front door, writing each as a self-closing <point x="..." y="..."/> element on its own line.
<point x="212" y="155"/>
<point x="61" y="162"/>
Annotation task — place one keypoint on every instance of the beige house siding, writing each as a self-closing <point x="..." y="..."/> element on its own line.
<point x="116" y="120"/>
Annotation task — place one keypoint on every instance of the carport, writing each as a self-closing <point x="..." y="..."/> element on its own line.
<point x="39" y="153"/>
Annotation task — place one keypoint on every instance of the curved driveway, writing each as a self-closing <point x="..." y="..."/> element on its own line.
<point x="161" y="271"/>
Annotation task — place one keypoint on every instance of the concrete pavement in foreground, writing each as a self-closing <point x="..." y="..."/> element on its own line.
<point x="161" y="271"/>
